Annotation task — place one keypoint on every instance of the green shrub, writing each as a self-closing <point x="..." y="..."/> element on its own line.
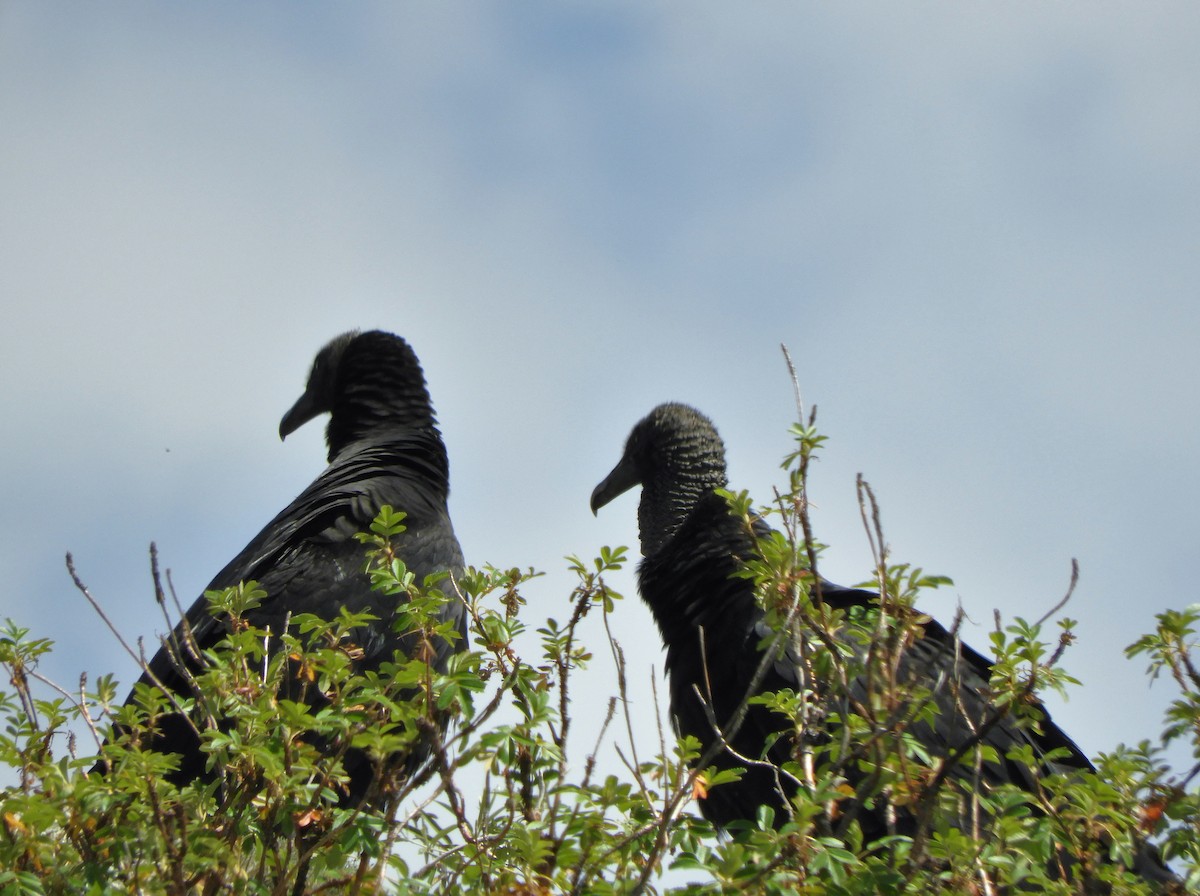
<point x="498" y="808"/>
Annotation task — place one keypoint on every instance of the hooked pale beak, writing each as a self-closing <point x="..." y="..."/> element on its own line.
<point x="300" y="413"/>
<point x="623" y="477"/>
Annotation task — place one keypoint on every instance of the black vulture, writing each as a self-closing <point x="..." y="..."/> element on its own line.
<point x="714" y="631"/>
<point x="384" y="449"/>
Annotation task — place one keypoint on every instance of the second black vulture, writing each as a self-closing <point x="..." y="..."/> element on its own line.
<point x="384" y="449"/>
<point x="714" y="631"/>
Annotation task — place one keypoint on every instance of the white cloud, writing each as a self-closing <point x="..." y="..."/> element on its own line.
<point x="974" y="226"/>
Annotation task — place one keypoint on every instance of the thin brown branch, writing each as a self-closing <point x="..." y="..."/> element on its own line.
<point x="1053" y="611"/>
<point x="83" y="589"/>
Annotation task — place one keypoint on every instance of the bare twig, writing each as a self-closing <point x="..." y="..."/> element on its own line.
<point x="83" y="589"/>
<point x="787" y="359"/>
<point x="622" y="690"/>
<point x="1053" y="611"/>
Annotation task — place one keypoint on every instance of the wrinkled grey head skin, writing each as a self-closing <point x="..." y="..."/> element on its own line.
<point x="363" y="381"/>
<point x="319" y="391"/>
<point x="675" y="454"/>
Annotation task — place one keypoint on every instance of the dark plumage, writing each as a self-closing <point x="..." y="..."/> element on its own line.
<point x="384" y="448"/>
<point x="713" y="628"/>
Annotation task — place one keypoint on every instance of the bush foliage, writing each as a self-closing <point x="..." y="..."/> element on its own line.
<point x="503" y="806"/>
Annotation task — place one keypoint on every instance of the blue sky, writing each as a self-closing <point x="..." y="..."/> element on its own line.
<point x="975" y="226"/>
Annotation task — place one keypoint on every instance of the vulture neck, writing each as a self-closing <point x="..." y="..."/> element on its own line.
<point x="669" y="498"/>
<point x="368" y="411"/>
